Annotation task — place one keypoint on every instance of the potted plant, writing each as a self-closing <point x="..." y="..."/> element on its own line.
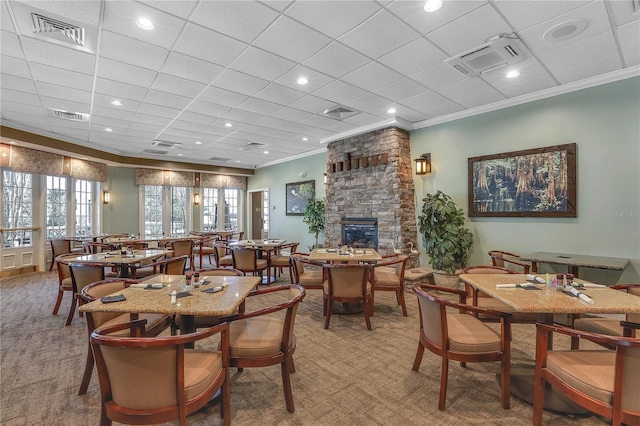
<point x="446" y="241"/>
<point x="314" y="217"/>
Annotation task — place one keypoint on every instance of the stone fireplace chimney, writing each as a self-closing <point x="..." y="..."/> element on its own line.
<point x="370" y="176"/>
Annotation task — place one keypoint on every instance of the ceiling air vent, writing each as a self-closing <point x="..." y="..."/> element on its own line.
<point x="219" y="159"/>
<point x="340" y="112"/>
<point x="252" y="145"/>
<point x="154" y="151"/>
<point x="501" y="51"/>
<point x="165" y="144"/>
<point x="66" y="115"/>
<point x="57" y="29"/>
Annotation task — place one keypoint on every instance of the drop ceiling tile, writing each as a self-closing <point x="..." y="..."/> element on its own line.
<point x="57" y="56"/>
<point x="259" y="106"/>
<point x="443" y="109"/>
<point x="128" y="50"/>
<point x="273" y="123"/>
<point x="187" y="126"/>
<point x="142" y="126"/>
<point x="299" y="128"/>
<point x="239" y="115"/>
<point x="336" y="60"/>
<point x="158" y="111"/>
<point x="191" y="68"/>
<point x="10" y="45"/>
<point x="373" y="37"/>
<point x="291" y="40"/>
<point x="62" y="92"/>
<point x="527" y="13"/>
<point x="291" y="114"/>
<point x="196" y="119"/>
<point x="262" y="64"/>
<point x="339" y="92"/>
<point x="414" y="57"/>
<point x="465" y="33"/>
<point x="239" y="82"/>
<point x="181" y="8"/>
<point x="104" y="101"/>
<point x="631" y="57"/>
<point x="221" y="96"/>
<point x="438" y="76"/>
<point x="623" y="12"/>
<point x="63" y="126"/>
<point x="125" y="73"/>
<point x="207" y="108"/>
<point x="119" y="17"/>
<point x="279" y="94"/>
<point x="412" y="116"/>
<point x="372" y="76"/>
<point x="481" y="99"/>
<point x="594" y="14"/>
<point x="6" y="24"/>
<point x="61" y="76"/>
<point x="413" y="13"/>
<point x="239" y="19"/>
<point x="319" y="121"/>
<point x="178" y="86"/>
<point x="18" y="83"/>
<point x="424" y="101"/>
<point x="363" y="119"/>
<point x="580" y="52"/>
<point x="367" y="102"/>
<point x="209" y="45"/>
<point x="401" y="89"/>
<point x="629" y="35"/>
<point x="315" y="79"/>
<point x="344" y="15"/>
<point x="120" y="90"/>
<point x="110" y="113"/>
<point x="599" y="66"/>
<point x="137" y="134"/>
<point x="81" y="11"/>
<point x="20" y="97"/>
<point x="30" y="115"/>
<point x="164" y="99"/>
<point x="110" y="122"/>
<point x="312" y="104"/>
<point x="545" y="81"/>
<point x="66" y="105"/>
<point x="464" y="89"/>
<point x="14" y="66"/>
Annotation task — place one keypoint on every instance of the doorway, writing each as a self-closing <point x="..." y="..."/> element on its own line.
<point x="259" y="208"/>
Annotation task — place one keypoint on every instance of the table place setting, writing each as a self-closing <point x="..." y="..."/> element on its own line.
<point x="216" y="289"/>
<point x="526" y="286"/>
<point x="148" y="286"/>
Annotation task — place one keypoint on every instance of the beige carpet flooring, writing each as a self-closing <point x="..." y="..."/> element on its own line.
<point x="345" y="375"/>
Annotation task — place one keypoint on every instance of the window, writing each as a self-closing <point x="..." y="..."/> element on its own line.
<point x="179" y="211"/>
<point x="84" y="207"/>
<point x="16" y="211"/>
<point x="210" y="209"/>
<point x="231" y="209"/>
<point x="153" y="211"/>
<point x="265" y="211"/>
<point x="56" y="207"/>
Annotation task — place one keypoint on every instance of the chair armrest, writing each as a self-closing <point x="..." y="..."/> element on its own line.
<point x="600" y="339"/>
<point x="133" y="325"/>
<point x="629" y="328"/>
<point x="263" y="311"/>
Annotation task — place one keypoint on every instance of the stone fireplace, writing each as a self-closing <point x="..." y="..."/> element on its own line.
<point x="369" y="176"/>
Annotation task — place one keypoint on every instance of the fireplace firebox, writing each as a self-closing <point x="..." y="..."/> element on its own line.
<point x="360" y="232"/>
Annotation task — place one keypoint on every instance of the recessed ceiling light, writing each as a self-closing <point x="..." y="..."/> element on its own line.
<point x="302" y="80"/>
<point x="238" y="161"/>
<point x="513" y="74"/>
<point x="432" y="5"/>
<point x="198" y="143"/>
<point x="305" y="139"/>
<point x="179" y="155"/>
<point x="266" y="152"/>
<point x="145" y="23"/>
<point x="116" y="103"/>
<point x="391" y="111"/>
<point x="108" y="129"/>
<point x="228" y="125"/>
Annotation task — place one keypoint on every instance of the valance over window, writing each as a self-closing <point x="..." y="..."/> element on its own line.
<point x="178" y="178"/>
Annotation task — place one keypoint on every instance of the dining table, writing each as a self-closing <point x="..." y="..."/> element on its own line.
<point x="264" y="246"/>
<point x="524" y="295"/>
<point x="217" y="296"/>
<point x="328" y="255"/>
<point x="126" y="263"/>
<point x="575" y="261"/>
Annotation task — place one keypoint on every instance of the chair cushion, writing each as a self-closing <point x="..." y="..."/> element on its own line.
<point x="607" y="326"/>
<point x="325" y="287"/>
<point x="156" y="323"/>
<point x="590" y="372"/>
<point x="205" y="250"/>
<point x="386" y="279"/>
<point x="67" y="284"/>
<point x="311" y="278"/>
<point x="255" y="337"/>
<point x="200" y="370"/>
<point x="226" y="261"/>
<point x="469" y="334"/>
<point x="281" y="261"/>
<point x="261" y="263"/>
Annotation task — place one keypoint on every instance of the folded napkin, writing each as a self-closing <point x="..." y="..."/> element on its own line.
<point x="147" y="286"/>
<point x="582" y="296"/>
<point x="526" y="286"/>
<point x="587" y="285"/>
<point x="535" y="278"/>
<point x="114" y="298"/>
<point x="216" y="289"/>
<point x="322" y="250"/>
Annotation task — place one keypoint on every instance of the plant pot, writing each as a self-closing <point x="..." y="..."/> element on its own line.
<point x="444" y="279"/>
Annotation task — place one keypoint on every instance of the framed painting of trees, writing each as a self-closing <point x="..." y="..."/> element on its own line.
<point x="537" y="182"/>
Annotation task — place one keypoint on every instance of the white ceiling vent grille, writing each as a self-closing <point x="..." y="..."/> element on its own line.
<point x="66" y="115"/>
<point x="253" y="145"/>
<point x="219" y="159"/>
<point x="165" y="144"/>
<point x="340" y="112"/>
<point x="499" y="52"/>
<point x="154" y="151"/>
<point x="57" y="29"/>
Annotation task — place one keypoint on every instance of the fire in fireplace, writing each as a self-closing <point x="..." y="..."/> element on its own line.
<point x="360" y="232"/>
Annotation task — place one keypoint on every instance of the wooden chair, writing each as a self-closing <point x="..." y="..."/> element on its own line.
<point x="156" y="323"/>
<point x="309" y="278"/>
<point x="461" y="337"/>
<point x="385" y="280"/>
<point x="246" y="260"/>
<point x="606" y="382"/>
<point x="500" y="258"/>
<point x="82" y="274"/>
<point x="222" y="255"/>
<point x="169" y="266"/>
<point x="64" y="280"/>
<point x="483" y="300"/>
<point x="347" y="283"/>
<point x="260" y="338"/>
<point x="205" y="247"/>
<point x="183" y="247"/>
<point x="59" y="247"/>
<point x="92" y="248"/>
<point x="280" y="260"/>
<point x="157" y="380"/>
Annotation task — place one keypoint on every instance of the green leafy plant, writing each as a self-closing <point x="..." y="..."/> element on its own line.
<point x="314" y="217"/>
<point x="446" y="241"/>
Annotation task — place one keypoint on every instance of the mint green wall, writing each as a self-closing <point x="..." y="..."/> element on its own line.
<point x="274" y="178"/>
<point x="604" y="122"/>
<point x="122" y="213"/>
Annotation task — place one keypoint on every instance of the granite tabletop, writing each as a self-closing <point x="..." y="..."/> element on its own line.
<point x="334" y="255"/>
<point x="116" y="257"/>
<point x="600" y="262"/>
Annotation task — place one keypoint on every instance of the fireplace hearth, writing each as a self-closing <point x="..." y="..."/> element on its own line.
<point x="360" y="232"/>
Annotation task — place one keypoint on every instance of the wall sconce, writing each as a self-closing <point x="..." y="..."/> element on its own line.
<point x="106" y="197"/>
<point x="324" y="178"/>
<point x="196" y="199"/>
<point x="423" y="164"/>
